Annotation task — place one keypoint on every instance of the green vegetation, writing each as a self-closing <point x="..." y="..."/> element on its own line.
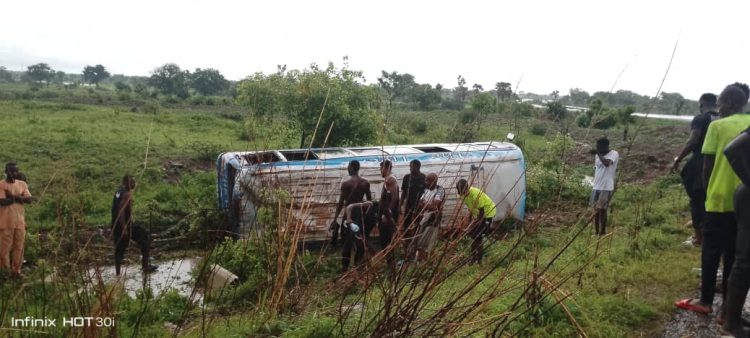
<point x="74" y="143"/>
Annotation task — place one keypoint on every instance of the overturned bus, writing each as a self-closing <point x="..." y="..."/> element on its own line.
<point x="311" y="179"/>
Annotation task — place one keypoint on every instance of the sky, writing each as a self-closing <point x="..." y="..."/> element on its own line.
<point x="537" y="46"/>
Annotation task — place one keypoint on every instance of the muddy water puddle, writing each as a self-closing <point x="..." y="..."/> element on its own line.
<point x="171" y="274"/>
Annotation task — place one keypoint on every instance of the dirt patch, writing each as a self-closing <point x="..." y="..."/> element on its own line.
<point x="175" y="168"/>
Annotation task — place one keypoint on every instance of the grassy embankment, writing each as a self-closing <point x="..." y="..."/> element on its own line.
<point x="74" y="155"/>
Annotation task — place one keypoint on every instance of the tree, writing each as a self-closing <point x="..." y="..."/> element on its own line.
<point x="482" y="104"/>
<point x="95" y="74"/>
<point x="477" y="88"/>
<point x="555" y="95"/>
<point x="503" y="91"/>
<point x="40" y="72"/>
<point x="169" y="79"/>
<point x="59" y="77"/>
<point x="425" y="96"/>
<point x="395" y="86"/>
<point x="346" y="104"/>
<point x="624" y="117"/>
<point x="122" y="87"/>
<point x="208" y="81"/>
<point x="556" y="111"/>
<point x="461" y="91"/>
<point x="579" y="97"/>
<point x="5" y="75"/>
<point x="671" y="103"/>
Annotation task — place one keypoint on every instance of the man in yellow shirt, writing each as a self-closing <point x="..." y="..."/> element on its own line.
<point x="13" y="195"/>
<point x="482" y="210"/>
<point x="720" y="227"/>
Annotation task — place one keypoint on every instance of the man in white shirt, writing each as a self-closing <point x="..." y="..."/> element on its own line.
<point x="605" y="167"/>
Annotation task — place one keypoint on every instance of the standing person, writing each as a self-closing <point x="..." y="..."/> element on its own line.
<point x="482" y="210"/>
<point x="605" y="168"/>
<point x="353" y="190"/>
<point x="720" y="227"/>
<point x="432" y="203"/>
<point x="389" y="207"/>
<point x="692" y="172"/>
<point x="123" y="228"/>
<point x="14" y="194"/>
<point x="738" y="156"/>
<point x="412" y="187"/>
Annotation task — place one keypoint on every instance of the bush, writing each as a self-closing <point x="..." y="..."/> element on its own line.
<point x="244" y="259"/>
<point x="452" y="104"/>
<point x="538" y="129"/>
<point x="545" y="181"/>
<point x="604" y="120"/>
<point x="151" y="108"/>
<point x="419" y="127"/>
<point x="197" y="100"/>
<point x="583" y="120"/>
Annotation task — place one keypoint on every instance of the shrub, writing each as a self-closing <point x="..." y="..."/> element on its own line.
<point x="538" y="129"/>
<point x="419" y="127"/>
<point x="583" y="120"/>
<point x="151" y="108"/>
<point x="605" y="120"/>
<point x="452" y="104"/>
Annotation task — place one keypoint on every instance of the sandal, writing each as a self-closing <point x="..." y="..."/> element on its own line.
<point x="686" y="305"/>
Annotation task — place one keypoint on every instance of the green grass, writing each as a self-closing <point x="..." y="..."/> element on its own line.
<point x="75" y="153"/>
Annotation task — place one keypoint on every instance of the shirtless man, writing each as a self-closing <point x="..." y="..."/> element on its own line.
<point x="353" y="190"/>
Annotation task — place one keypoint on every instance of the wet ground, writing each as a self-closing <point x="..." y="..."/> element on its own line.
<point x="689" y="324"/>
<point x="171" y="274"/>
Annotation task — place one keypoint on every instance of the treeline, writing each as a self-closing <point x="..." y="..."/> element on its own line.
<point x="399" y="90"/>
<point x="166" y="80"/>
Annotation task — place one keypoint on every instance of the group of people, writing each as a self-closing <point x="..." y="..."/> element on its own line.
<point x="716" y="178"/>
<point x="14" y="194"/>
<point x="420" y="202"/>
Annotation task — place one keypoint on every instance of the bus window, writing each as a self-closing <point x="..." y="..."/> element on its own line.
<point x="369" y="152"/>
<point x="325" y="154"/>
<point x="433" y="149"/>
<point x="263" y="157"/>
<point x="298" y="155"/>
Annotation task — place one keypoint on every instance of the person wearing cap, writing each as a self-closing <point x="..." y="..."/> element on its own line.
<point x="14" y="194"/>
<point x="482" y="210"/>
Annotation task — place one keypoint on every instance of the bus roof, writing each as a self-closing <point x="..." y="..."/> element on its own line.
<point x="290" y="155"/>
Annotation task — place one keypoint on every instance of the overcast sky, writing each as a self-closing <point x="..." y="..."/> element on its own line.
<point x="547" y="45"/>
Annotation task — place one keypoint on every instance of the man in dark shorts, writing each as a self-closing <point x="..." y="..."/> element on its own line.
<point x="692" y="172"/>
<point x="412" y="187"/>
<point x="123" y="228"/>
<point x="353" y="190"/>
<point x="605" y="168"/>
<point x="361" y="218"/>
<point x="389" y="207"/>
<point x="483" y="210"/>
